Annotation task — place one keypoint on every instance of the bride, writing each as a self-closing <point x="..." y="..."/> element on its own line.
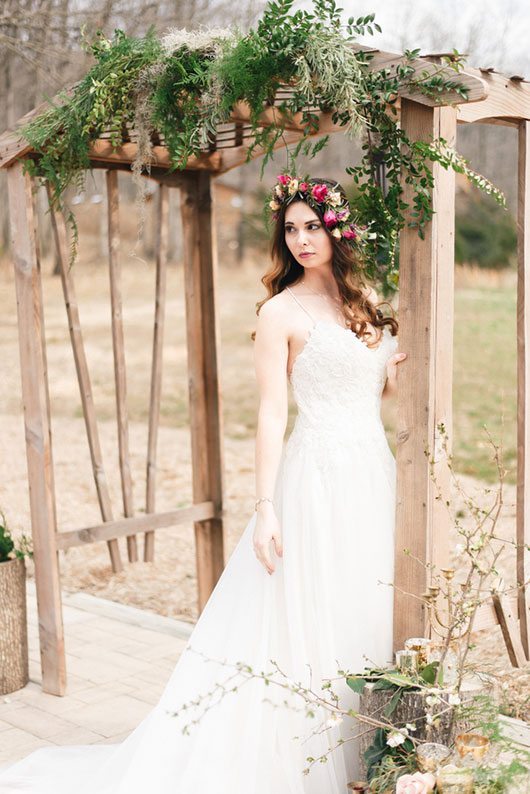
<point x="307" y="591"/>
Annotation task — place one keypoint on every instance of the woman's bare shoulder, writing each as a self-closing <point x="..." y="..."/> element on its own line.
<point x="276" y="310"/>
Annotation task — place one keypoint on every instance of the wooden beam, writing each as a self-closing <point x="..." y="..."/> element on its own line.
<point x="156" y="361"/>
<point x="125" y="527"/>
<point x="510" y="630"/>
<point x="200" y="264"/>
<point x="441" y="325"/>
<point x="38" y="430"/>
<point x="523" y="381"/>
<point x="118" y="348"/>
<point x="424" y="397"/>
<point x="83" y="378"/>
<point x="505" y="98"/>
<point x="103" y="151"/>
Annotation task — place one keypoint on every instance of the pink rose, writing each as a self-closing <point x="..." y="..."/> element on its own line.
<point x="342" y="214"/>
<point x="284" y="179"/>
<point x="417" y="783"/>
<point x="319" y="192"/>
<point x="330" y="219"/>
<point x="303" y="186"/>
<point x="349" y="234"/>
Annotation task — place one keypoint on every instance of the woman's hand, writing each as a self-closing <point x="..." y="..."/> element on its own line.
<point x="391" y="373"/>
<point x="267" y="529"/>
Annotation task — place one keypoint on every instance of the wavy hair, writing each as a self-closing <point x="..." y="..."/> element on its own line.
<point x="346" y="266"/>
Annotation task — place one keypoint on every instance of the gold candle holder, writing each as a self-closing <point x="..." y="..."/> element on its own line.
<point x="472" y="744"/>
<point x="407" y="661"/>
<point x="430" y="756"/>
<point x="453" y="779"/>
<point x="420" y="645"/>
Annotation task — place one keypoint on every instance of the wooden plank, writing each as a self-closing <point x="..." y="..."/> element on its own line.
<point x="103" y="151"/>
<point x="37" y="429"/>
<point x="510" y="630"/>
<point x="118" y="347"/>
<point x="83" y="378"/>
<point x="486" y="616"/>
<point x="505" y="99"/>
<point x="124" y="527"/>
<point x="200" y="264"/>
<point x="156" y="363"/>
<point x="441" y="359"/>
<point x="523" y="382"/>
<point x="416" y="403"/>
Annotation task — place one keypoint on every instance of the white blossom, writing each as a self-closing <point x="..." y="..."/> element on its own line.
<point x="396" y="738"/>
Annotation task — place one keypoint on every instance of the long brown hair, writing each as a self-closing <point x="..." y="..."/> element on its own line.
<point x="346" y="266"/>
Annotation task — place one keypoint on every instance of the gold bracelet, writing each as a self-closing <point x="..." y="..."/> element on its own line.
<point x="262" y="499"/>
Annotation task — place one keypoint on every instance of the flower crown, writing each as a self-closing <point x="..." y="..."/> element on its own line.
<point x="334" y="208"/>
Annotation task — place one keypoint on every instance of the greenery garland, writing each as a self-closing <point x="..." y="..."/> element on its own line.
<point x="186" y="84"/>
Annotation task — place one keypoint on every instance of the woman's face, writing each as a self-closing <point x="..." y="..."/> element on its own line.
<point x="306" y="237"/>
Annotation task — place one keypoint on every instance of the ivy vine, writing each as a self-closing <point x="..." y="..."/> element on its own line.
<point x="186" y="84"/>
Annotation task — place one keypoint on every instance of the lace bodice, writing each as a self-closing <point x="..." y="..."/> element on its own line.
<point x="337" y="382"/>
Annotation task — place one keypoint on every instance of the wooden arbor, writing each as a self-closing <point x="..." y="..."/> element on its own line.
<point x="426" y="316"/>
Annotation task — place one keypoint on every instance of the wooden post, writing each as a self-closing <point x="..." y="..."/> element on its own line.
<point x="200" y="262"/>
<point x="156" y="363"/>
<point x="38" y="431"/>
<point x="83" y="379"/>
<point x="523" y="381"/>
<point x="118" y="346"/>
<point x="425" y="382"/>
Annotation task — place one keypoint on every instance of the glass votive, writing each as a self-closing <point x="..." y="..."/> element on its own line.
<point x="430" y="756"/>
<point x="453" y="779"/>
<point x="450" y="664"/>
<point x="418" y="644"/>
<point x="472" y="744"/>
<point x="407" y="661"/>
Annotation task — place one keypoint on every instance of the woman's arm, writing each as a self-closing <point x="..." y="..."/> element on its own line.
<point x="270" y="358"/>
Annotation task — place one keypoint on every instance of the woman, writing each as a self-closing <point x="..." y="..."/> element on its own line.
<point x="306" y="592"/>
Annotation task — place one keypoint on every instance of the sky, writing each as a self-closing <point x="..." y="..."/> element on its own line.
<point x="493" y="32"/>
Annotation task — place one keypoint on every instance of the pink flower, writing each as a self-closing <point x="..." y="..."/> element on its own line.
<point x="319" y="192"/>
<point x="303" y="186"/>
<point x="342" y="214"/>
<point x="349" y="234"/>
<point x="330" y="218"/>
<point x="417" y="783"/>
<point x="284" y="179"/>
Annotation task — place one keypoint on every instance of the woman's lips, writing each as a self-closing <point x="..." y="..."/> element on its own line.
<point x="305" y="254"/>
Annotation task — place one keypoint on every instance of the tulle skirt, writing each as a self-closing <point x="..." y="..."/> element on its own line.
<point x="327" y="608"/>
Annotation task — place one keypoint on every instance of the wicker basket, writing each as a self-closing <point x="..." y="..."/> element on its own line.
<point x="14" y="672"/>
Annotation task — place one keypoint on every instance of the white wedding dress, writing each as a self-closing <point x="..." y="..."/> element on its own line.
<point x="328" y="606"/>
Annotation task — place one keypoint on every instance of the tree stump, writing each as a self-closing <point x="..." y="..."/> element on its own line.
<point x="14" y="673"/>
<point x="412" y="709"/>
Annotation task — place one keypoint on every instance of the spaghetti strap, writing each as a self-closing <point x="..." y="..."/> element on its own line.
<point x="301" y="305"/>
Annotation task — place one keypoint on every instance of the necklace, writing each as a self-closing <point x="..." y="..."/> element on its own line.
<point x="340" y="313"/>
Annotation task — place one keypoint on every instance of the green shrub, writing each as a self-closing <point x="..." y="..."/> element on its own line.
<point x="485" y="235"/>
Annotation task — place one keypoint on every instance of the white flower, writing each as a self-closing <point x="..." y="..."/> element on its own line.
<point x="410" y="726"/>
<point x="396" y="738"/>
<point x="454" y="699"/>
<point x="336" y="233"/>
<point x="430" y="718"/>
<point x="293" y="186"/>
<point x="432" y="700"/>
<point x="334" y="198"/>
<point x="334" y="720"/>
<point x="279" y="191"/>
<point x="459" y="549"/>
<point x="274" y="205"/>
